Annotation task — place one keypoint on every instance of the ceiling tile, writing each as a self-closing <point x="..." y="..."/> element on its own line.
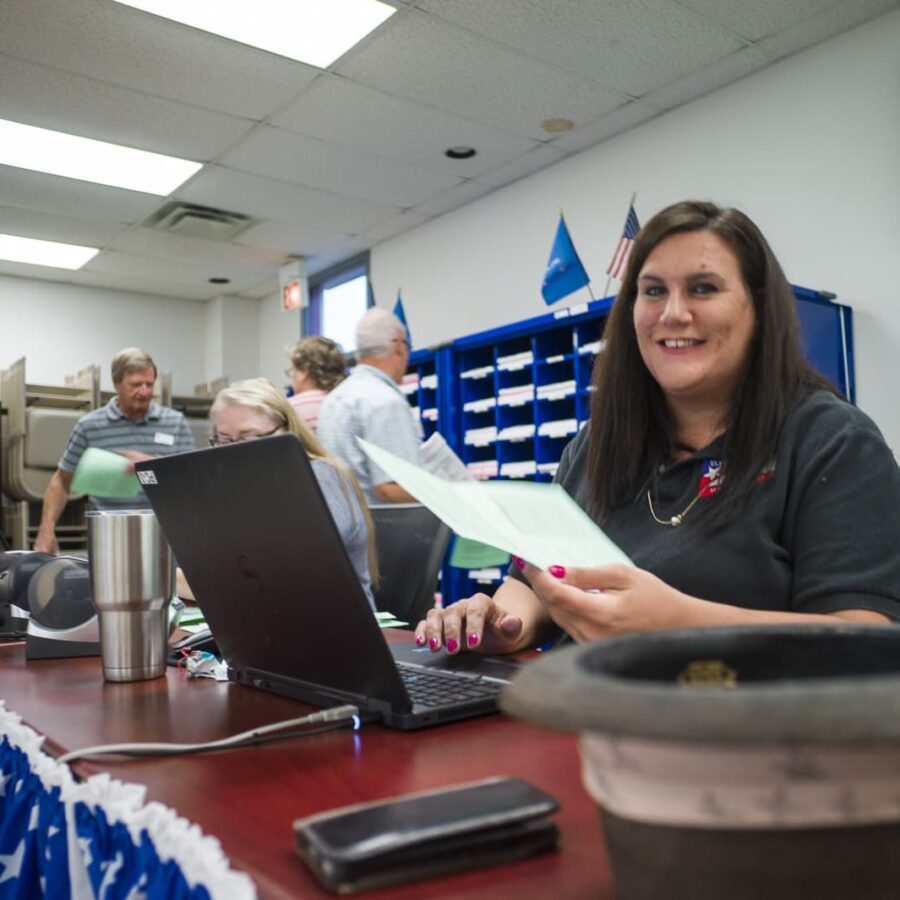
<point x="840" y="18"/>
<point x="392" y="227"/>
<point x="619" y="120"/>
<point x="118" y="282"/>
<point x="344" y="112"/>
<point x="134" y="49"/>
<point x="176" y="272"/>
<point x="303" y="160"/>
<point x="150" y="242"/>
<point x="51" y="227"/>
<point x="50" y="98"/>
<point x="761" y="17"/>
<point x="631" y="46"/>
<point x="70" y="197"/>
<point x="260" y="291"/>
<point x="708" y="79"/>
<point x="289" y="239"/>
<point x="526" y="164"/>
<point x="433" y="62"/>
<point x="453" y="199"/>
<point x="293" y="203"/>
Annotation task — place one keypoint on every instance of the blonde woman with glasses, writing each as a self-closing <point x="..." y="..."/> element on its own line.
<point x="253" y="409"/>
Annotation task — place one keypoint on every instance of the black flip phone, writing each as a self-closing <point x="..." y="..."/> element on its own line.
<point x="426" y="834"/>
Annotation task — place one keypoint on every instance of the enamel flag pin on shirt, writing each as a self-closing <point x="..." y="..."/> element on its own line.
<point x="565" y="273"/>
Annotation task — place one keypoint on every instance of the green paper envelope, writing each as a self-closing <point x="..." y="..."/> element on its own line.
<point x="101" y="473"/>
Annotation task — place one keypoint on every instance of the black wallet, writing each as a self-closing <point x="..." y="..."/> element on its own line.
<point x="423" y="835"/>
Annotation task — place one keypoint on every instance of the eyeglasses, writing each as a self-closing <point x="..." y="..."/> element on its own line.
<point x="216" y="441"/>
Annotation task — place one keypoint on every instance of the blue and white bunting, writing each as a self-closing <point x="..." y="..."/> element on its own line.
<point x="66" y="840"/>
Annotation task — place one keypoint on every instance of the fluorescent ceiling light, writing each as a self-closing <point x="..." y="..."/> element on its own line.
<point x="56" y="153"/>
<point x="44" y="253"/>
<point x="316" y="32"/>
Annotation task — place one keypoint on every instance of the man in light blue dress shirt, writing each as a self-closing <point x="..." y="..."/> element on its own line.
<point x="369" y="404"/>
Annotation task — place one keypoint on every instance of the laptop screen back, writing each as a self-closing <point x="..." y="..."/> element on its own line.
<point x="252" y="531"/>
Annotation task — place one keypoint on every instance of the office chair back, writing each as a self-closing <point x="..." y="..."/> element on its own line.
<point x="411" y="542"/>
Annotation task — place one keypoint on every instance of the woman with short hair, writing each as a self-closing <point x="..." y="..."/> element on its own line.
<point x="317" y="366"/>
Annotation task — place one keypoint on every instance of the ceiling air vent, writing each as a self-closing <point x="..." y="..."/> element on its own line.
<point x="189" y="220"/>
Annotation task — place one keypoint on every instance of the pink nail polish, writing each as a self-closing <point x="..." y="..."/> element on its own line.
<point x="434" y="643"/>
<point x="557" y="571"/>
<point x="420" y="640"/>
<point x="473" y="639"/>
<point x="519" y="561"/>
<point x="452" y="646"/>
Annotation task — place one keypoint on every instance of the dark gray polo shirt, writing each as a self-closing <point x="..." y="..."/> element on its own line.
<point x="161" y="432"/>
<point x="822" y="535"/>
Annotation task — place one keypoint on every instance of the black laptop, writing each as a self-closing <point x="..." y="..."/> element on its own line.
<point x="251" y="529"/>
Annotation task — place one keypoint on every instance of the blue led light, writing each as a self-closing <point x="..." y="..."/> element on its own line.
<point x="357" y="723"/>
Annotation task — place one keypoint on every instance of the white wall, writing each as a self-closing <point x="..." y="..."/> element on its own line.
<point x="809" y="148"/>
<point x="278" y="329"/>
<point x="61" y="328"/>
<point x="232" y="338"/>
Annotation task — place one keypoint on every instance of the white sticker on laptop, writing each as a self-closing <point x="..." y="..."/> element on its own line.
<point x="148" y="477"/>
<point x="163" y="438"/>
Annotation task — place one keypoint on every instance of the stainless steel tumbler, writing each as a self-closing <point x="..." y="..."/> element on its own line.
<point x="132" y="582"/>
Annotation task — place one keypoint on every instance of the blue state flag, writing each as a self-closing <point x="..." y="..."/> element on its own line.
<point x="401" y="315"/>
<point x="565" y="273"/>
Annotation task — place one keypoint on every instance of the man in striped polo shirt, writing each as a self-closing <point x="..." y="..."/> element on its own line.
<point x="131" y="424"/>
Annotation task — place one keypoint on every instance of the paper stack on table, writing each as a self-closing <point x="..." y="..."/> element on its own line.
<point x="540" y="523"/>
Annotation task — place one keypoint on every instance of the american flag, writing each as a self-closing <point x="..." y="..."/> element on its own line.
<point x="629" y="233"/>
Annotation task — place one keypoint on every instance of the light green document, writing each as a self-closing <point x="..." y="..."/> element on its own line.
<point x="468" y="554"/>
<point x="540" y="523"/>
<point x="101" y="473"/>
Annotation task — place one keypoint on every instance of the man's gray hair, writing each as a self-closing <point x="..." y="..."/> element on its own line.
<point x="376" y="332"/>
<point x="131" y="359"/>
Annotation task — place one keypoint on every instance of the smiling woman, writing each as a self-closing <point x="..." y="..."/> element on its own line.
<point x="742" y="487"/>
<point x="694" y="323"/>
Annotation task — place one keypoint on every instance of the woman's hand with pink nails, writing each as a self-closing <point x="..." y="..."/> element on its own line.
<point x="475" y="623"/>
<point x="602" y="601"/>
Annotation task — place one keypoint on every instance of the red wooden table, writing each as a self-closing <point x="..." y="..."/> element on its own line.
<point x="249" y="797"/>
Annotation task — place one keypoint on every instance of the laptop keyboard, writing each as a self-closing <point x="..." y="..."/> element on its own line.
<point x="427" y="687"/>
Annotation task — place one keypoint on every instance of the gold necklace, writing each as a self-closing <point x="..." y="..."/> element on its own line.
<point x="676" y="520"/>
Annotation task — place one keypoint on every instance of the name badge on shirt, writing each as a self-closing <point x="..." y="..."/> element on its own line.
<point x="161" y="438"/>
